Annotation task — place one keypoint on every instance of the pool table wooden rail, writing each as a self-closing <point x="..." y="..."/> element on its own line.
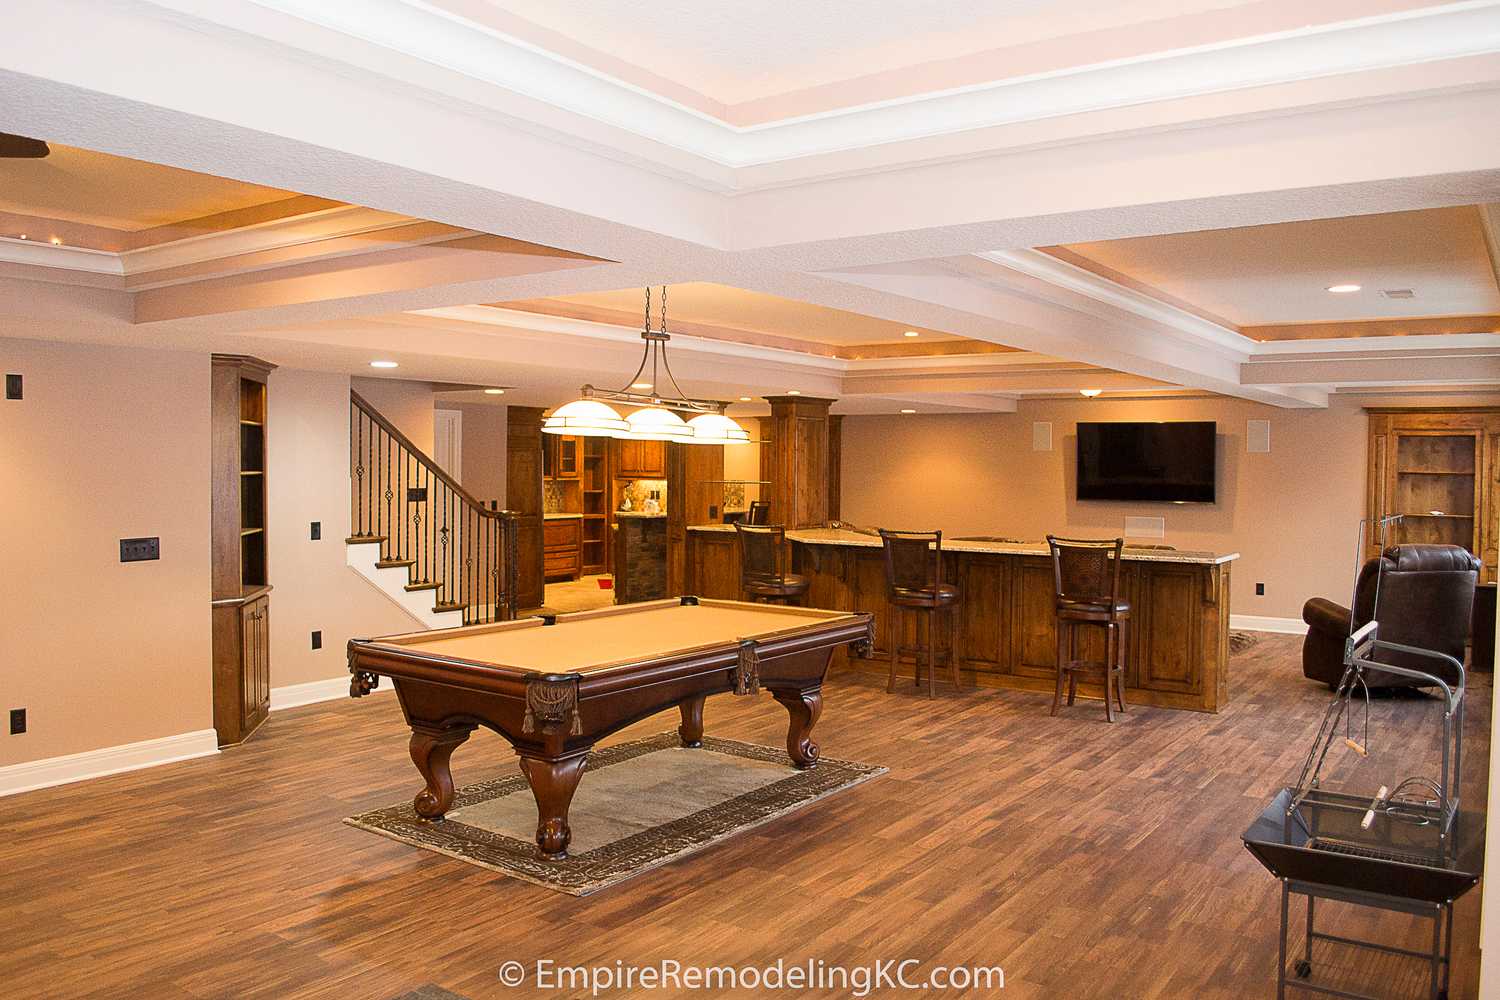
<point x="553" y="719"/>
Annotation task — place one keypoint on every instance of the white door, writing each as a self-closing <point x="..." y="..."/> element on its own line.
<point x="448" y="441"/>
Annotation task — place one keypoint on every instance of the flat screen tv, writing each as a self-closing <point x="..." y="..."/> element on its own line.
<point x="1165" y="462"/>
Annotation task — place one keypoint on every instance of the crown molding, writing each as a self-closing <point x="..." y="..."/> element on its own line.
<point x="306" y="230"/>
<point x="447" y="42"/>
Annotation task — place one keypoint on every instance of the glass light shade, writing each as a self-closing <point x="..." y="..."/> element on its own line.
<point x="585" y="418"/>
<point x="656" y="423"/>
<point x="716" y="428"/>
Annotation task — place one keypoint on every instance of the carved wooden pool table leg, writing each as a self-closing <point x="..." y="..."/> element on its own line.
<point x="804" y="707"/>
<point x="431" y="748"/>
<point x="691" y="730"/>
<point x="553" y="783"/>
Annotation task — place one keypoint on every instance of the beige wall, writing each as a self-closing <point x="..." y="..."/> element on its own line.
<point x="107" y="443"/>
<point x="408" y="405"/>
<point x="1292" y="514"/>
<point x="483" y="473"/>
<point x="308" y="479"/>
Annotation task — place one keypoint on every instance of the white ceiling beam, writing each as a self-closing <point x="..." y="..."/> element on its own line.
<point x="981" y="298"/>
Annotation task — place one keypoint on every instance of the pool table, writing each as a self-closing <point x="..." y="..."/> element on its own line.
<point x="555" y="685"/>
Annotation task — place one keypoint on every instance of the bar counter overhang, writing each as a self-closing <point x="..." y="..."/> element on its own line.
<point x="1178" y="638"/>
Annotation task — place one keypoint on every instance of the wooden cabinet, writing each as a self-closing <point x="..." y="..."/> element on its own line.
<point x="1440" y="470"/>
<point x="239" y="570"/>
<point x="641" y="460"/>
<point x="561" y="456"/>
<point x="562" y="547"/>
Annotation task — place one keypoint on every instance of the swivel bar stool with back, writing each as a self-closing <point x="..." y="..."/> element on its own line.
<point x="914" y="580"/>
<point x="763" y="572"/>
<point x="1086" y="585"/>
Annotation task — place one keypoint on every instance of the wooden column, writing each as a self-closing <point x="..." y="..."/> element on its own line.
<point x="689" y="466"/>
<point x="835" y="467"/>
<point x="797" y="463"/>
<point x="523" y="494"/>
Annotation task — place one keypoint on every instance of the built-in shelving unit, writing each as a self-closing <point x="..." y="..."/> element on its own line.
<point x="594" y="477"/>
<point x="1429" y="466"/>
<point x="240" y="573"/>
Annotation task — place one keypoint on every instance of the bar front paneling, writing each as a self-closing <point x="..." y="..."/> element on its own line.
<point x="1178" y="638"/>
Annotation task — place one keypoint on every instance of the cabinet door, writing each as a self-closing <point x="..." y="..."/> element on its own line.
<point x="549" y="456"/>
<point x="567" y="458"/>
<point x="255" y="682"/>
<point x="653" y="460"/>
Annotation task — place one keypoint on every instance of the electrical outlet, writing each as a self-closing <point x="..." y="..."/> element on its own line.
<point x="17" y="721"/>
<point x="317" y="639"/>
<point x="1260" y="590"/>
<point x="12" y="386"/>
<point x="317" y="530"/>
<point x="139" y="549"/>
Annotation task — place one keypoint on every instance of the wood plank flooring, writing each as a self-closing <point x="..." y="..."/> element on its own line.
<point x="1088" y="860"/>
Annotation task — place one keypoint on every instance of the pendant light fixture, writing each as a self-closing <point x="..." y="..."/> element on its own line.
<point x="657" y="418"/>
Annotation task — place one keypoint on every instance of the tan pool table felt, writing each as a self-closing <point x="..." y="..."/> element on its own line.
<point x="591" y="640"/>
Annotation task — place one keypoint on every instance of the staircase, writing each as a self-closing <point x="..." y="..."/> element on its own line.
<point x="419" y="536"/>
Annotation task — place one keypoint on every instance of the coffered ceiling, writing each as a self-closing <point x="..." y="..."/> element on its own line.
<point x="706" y="309"/>
<point x="1431" y="263"/>
<point x="812" y="178"/>
<point x="114" y="192"/>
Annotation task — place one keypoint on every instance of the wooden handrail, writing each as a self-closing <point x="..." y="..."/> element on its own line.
<point x="422" y="457"/>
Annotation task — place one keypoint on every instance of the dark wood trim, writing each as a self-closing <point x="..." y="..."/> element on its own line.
<point x="523" y="496"/>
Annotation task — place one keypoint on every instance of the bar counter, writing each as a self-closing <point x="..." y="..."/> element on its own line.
<point x="1178" y="634"/>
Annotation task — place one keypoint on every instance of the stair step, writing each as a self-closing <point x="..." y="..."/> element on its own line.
<point x="422" y="586"/>
<point x="363" y="539"/>
<point x="442" y="606"/>
<point x="394" y="563"/>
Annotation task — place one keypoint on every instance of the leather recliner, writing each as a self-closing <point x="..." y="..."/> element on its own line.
<point x="1426" y="598"/>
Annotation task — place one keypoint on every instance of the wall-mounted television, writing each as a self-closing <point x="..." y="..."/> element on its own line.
<point x="1163" y="462"/>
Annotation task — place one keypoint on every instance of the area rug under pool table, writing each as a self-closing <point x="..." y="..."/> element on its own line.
<point x="640" y="805"/>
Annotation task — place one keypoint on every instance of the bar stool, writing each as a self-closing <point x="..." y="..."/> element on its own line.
<point x="1086" y="584"/>
<point x="760" y="512"/>
<point x="914" y="579"/>
<point x="763" y="575"/>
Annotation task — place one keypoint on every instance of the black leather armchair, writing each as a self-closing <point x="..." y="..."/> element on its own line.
<point x="1426" y="598"/>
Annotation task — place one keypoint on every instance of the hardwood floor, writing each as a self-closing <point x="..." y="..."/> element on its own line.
<point x="1088" y="860"/>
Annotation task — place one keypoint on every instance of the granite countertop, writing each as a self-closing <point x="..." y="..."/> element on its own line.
<point x="843" y="536"/>
<point x="638" y="513"/>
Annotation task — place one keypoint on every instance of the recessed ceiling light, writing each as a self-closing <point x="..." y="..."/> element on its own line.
<point x="383" y="364"/>
<point x="913" y="333"/>
<point x="22" y="236"/>
<point x="494" y="392"/>
<point x="1090" y="393"/>
<point x="1343" y="289"/>
<point x="794" y="392"/>
<point x="908" y="411"/>
<point x="56" y="241"/>
<point x="640" y="385"/>
<point x="744" y="399"/>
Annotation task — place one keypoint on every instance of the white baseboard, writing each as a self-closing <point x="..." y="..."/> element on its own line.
<point x="1255" y="623"/>
<point x="297" y="695"/>
<point x="25" y="777"/>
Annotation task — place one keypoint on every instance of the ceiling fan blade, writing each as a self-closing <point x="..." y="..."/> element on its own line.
<point x="18" y="147"/>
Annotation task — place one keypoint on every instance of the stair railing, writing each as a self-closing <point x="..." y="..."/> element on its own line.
<point x="451" y="543"/>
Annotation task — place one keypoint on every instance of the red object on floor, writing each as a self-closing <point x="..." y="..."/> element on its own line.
<point x="606" y="583"/>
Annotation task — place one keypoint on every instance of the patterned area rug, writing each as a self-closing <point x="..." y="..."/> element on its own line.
<point x="640" y="805"/>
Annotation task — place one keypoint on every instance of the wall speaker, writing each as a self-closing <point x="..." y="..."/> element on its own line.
<point x="1041" y="436"/>
<point x="1258" y="435"/>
